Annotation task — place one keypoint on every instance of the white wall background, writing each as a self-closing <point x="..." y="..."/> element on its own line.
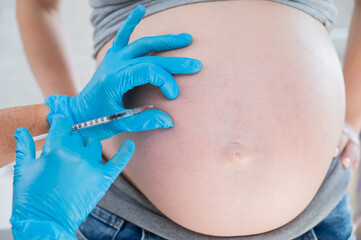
<point x="18" y="86"/>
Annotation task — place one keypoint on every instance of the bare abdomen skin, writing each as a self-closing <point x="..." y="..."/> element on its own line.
<point x="254" y="132"/>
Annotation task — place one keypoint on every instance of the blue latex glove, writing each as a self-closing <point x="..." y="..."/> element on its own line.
<point x="56" y="192"/>
<point x="123" y="68"/>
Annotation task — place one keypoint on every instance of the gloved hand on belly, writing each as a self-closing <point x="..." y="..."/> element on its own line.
<point x="54" y="194"/>
<point x="123" y="68"/>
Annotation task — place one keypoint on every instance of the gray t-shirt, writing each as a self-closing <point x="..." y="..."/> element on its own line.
<point x="108" y="15"/>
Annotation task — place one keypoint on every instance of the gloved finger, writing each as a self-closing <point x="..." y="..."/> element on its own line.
<point x="118" y="162"/>
<point x="145" y="45"/>
<point x="59" y="125"/>
<point x="342" y="144"/>
<point x="122" y="37"/>
<point x="144" y="73"/>
<point x="350" y="155"/>
<point x="143" y="121"/>
<point x="25" y="146"/>
<point x="95" y="147"/>
<point x="174" y="65"/>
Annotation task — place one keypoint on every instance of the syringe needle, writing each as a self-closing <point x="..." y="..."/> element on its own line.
<point x="103" y="120"/>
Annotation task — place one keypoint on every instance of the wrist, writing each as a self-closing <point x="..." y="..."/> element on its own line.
<point x="354" y="124"/>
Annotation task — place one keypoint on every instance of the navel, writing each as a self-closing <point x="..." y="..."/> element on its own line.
<point x="237" y="153"/>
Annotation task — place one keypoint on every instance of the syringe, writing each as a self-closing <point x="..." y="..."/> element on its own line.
<point x="103" y="120"/>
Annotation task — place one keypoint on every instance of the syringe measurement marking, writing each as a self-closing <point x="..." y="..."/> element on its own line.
<point x="103" y="120"/>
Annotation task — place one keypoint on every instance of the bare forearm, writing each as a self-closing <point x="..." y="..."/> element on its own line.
<point x="32" y="117"/>
<point x="352" y="70"/>
<point x="45" y="45"/>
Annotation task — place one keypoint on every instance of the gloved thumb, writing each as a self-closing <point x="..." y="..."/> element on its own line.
<point x="25" y="146"/>
<point x="118" y="162"/>
<point x="122" y="37"/>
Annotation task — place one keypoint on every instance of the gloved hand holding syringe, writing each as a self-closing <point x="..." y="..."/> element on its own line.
<point x="124" y="67"/>
<point x="103" y="120"/>
<point x="55" y="193"/>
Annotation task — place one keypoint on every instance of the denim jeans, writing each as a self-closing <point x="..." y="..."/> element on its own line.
<point x="336" y="226"/>
<point x="101" y="224"/>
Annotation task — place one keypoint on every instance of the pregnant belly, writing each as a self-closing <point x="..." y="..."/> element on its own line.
<point x="254" y="132"/>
